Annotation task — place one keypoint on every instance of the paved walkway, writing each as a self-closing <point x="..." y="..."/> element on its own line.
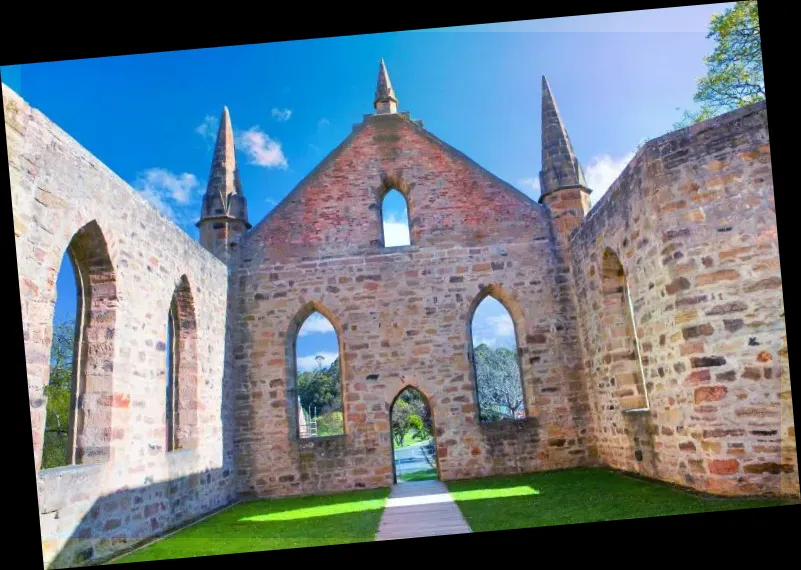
<point x="420" y="508"/>
<point x="411" y="459"/>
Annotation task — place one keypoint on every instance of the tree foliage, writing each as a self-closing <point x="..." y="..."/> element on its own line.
<point x="320" y="393"/>
<point x="734" y="75"/>
<point x="59" y="397"/>
<point x="321" y="389"/>
<point x="500" y="391"/>
<point x="410" y="414"/>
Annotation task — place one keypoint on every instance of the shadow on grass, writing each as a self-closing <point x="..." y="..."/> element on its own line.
<point x="274" y="524"/>
<point x="578" y="496"/>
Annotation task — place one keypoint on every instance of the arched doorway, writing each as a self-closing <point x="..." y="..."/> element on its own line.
<point x="414" y="455"/>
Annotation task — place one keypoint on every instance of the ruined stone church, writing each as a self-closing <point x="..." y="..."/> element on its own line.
<point x="650" y="329"/>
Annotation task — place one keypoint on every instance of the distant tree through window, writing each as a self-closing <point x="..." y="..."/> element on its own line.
<point x="318" y="379"/>
<point x="497" y="372"/>
<point x="59" y="423"/>
<point x="395" y="217"/>
<point x="80" y="383"/>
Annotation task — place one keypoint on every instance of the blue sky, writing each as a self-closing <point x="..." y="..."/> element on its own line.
<point x="316" y="337"/>
<point x="618" y="79"/>
<point x="492" y="325"/>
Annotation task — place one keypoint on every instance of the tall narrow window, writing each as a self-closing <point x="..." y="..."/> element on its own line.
<point x="317" y="378"/>
<point x="620" y="336"/>
<point x="60" y="391"/>
<point x="181" y="370"/>
<point x="395" y="217"/>
<point x="497" y="371"/>
<point x="172" y="411"/>
<point x="79" y="390"/>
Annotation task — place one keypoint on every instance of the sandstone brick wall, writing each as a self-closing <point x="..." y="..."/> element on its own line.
<point x="402" y="317"/>
<point x="692" y="219"/>
<point x="126" y="487"/>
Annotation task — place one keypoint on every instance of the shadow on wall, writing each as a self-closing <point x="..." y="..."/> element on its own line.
<point x="125" y="519"/>
<point x="122" y="520"/>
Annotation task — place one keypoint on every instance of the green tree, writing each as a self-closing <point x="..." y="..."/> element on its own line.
<point x="734" y="76"/>
<point x="410" y="414"/>
<point x="59" y="397"/>
<point x="500" y="391"/>
<point x="321" y="389"/>
<point x="320" y="393"/>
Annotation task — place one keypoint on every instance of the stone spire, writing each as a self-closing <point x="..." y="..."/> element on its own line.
<point x="385" y="101"/>
<point x="560" y="167"/>
<point x="224" y="196"/>
<point x="224" y="213"/>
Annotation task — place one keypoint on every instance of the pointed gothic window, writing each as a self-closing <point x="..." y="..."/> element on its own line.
<point x="395" y="218"/>
<point x="316" y="377"/>
<point x="617" y="322"/>
<point x="496" y="367"/>
<point x="79" y="390"/>
<point x="181" y="370"/>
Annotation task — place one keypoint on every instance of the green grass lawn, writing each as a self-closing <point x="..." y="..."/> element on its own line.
<point x="273" y="524"/>
<point x="576" y="496"/>
<point x="410" y="439"/>
<point x="425" y="475"/>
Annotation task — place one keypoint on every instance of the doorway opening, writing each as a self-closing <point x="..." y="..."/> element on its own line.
<point x="414" y="450"/>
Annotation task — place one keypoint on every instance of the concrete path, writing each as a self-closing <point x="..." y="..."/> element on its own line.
<point x="411" y="459"/>
<point x="420" y="508"/>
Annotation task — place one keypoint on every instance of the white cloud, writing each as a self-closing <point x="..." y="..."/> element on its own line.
<point x="305" y="363"/>
<point x="208" y="128"/>
<point x="261" y="149"/>
<point x="158" y="202"/>
<point x="396" y="232"/>
<point x="602" y="171"/>
<point x="323" y="123"/>
<point x="169" y="193"/>
<point x="316" y="324"/>
<point x="281" y="114"/>
<point x="270" y="202"/>
<point x="492" y="325"/>
<point x="502" y="325"/>
<point x="530" y="187"/>
<point x="177" y="187"/>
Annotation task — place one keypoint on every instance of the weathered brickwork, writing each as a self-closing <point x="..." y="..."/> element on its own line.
<point x="650" y="330"/>
<point x="692" y="220"/>
<point x="125" y="486"/>
<point x="401" y="315"/>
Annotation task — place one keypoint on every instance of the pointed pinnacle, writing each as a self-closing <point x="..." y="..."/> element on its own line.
<point x="385" y="100"/>
<point x="560" y="167"/>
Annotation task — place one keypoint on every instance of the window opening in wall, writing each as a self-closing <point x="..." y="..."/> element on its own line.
<point x="318" y="379"/>
<point x="181" y="412"/>
<point x="79" y="388"/>
<point x="495" y="360"/>
<point x="619" y="331"/>
<point x="413" y="446"/>
<point x="58" y="444"/>
<point x="395" y="217"/>
<point x="171" y="379"/>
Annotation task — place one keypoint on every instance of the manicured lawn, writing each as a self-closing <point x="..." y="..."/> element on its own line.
<point x="575" y="496"/>
<point x="274" y="524"/>
<point x="409" y="439"/>
<point x="425" y="475"/>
